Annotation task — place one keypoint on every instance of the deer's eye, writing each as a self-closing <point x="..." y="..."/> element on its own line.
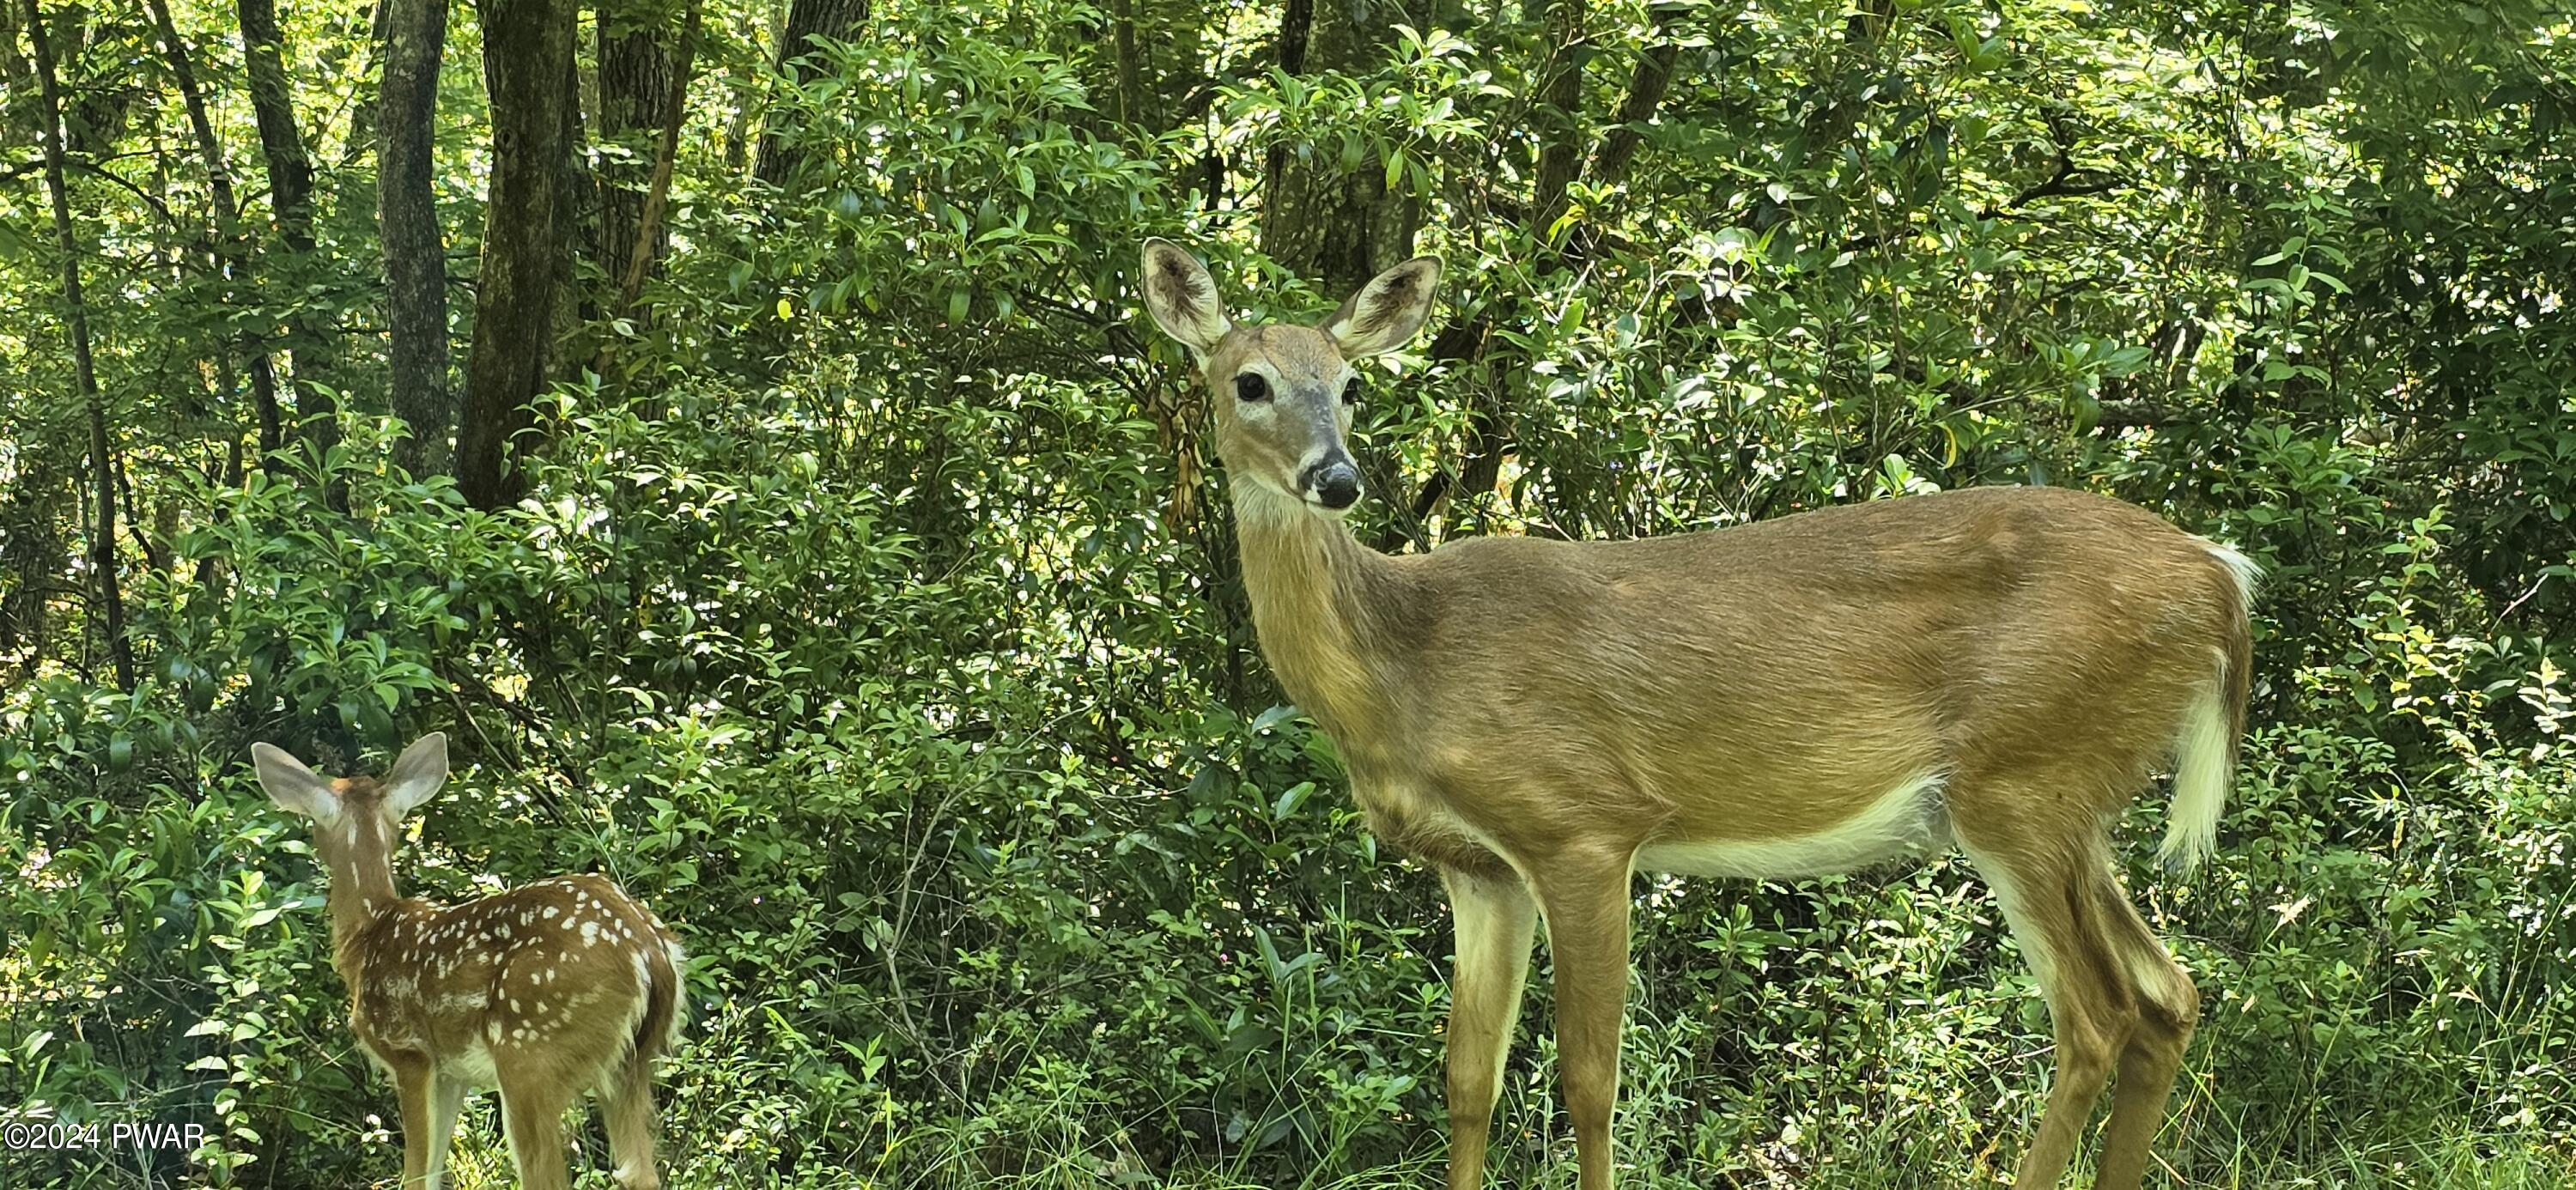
<point x="1351" y="392"/>
<point x="1251" y="387"/>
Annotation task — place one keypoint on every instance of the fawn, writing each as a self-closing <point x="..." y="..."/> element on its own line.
<point x="544" y="991"/>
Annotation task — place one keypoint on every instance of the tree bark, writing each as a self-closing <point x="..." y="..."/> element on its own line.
<point x="649" y="238"/>
<point x="364" y="131"/>
<point x="1318" y="219"/>
<point x="638" y="78"/>
<point x="527" y="60"/>
<point x="1646" y="86"/>
<point x="576" y="228"/>
<point x="1558" y="119"/>
<point x="648" y="234"/>
<point x="290" y="197"/>
<point x="232" y="249"/>
<point x="1131" y="84"/>
<point x="102" y="463"/>
<point x="1559" y="115"/>
<point x="414" y="244"/>
<point x="806" y="20"/>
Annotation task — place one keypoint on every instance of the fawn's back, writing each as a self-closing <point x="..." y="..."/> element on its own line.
<point x="570" y="966"/>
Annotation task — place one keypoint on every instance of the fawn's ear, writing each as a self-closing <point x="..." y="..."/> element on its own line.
<point x="292" y="786"/>
<point x="418" y="773"/>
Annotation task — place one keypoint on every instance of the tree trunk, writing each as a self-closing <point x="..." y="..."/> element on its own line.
<point x="414" y="245"/>
<point x="1559" y="116"/>
<point x="1340" y="226"/>
<point x="31" y="554"/>
<point x="102" y="464"/>
<point x="1131" y="77"/>
<point x="638" y="81"/>
<point x="290" y="197"/>
<point x="232" y="248"/>
<point x="364" y="130"/>
<point x="806" y="20"/>
<point x="1646" y="86"/>
<point x="527" y="60"/>
<point x="576" y="228"/>
<point x="649" y="235"/>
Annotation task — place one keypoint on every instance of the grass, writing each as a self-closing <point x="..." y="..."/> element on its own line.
<point x="2202" y="1146"/>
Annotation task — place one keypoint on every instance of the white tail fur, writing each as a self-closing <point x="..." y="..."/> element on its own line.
<point x="2205" y="749"/>
<point x="2204" y="768"/>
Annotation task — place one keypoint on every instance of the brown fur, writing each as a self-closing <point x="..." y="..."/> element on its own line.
<point x="547" y="990"/>
<point x="1528" y="716"/>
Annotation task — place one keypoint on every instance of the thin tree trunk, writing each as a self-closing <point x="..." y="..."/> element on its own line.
<point x="415" y="246"/>
<point x="363" y="115"/>
<point x="1559" y="114"/>
<point x="576" y="229"/>
<point x="1131" y="85"/>
<point x="640" y="255"/>
<point x="1340" y="226"/>
<point x="31" y="555"/>
<point x="232" y="249"/>
<point x="737" y="139"/>
<point x="1646" y="86"/>
<point x="806" y="20"/>
<point x="527" y="60"/>
<point x="102" y="463"/>
<point x="648" y="227"/>
<point x="637" y="78"/>
<point x="290" y="196"/>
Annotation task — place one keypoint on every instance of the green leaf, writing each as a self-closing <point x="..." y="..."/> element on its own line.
<point x="1290" y="800"/>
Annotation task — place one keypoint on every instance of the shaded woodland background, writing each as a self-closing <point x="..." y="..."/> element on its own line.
<point x="730" y="419"/>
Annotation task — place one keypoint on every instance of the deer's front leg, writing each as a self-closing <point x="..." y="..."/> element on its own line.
<point x="1586" y="905"/>
<point x="1495" y="921"/>
<point x="412" y="1076"/>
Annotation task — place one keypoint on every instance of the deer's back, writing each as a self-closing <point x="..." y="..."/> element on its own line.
<point x="567" y="965"/>
<point x="1822" y="659"/>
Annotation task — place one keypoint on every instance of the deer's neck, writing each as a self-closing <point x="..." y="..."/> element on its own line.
<point x="362" y="892"/>
<point x="1324" y="606"/>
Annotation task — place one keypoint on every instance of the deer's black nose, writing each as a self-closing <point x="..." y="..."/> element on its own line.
<point x="1334" y="483"/>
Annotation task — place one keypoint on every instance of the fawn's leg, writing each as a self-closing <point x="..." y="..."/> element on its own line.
<point x="532" y="1108"/>
<point x="628" y="1106"/>
<point x="446" y="1099"/>
<point x="412" y="1076"/>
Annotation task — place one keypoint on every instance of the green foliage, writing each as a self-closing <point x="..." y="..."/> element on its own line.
<point x="874" y="614"/>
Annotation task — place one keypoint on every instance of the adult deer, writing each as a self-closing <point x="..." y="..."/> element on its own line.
<point x="545" y="991"/>
<point x="2002" y="668"/>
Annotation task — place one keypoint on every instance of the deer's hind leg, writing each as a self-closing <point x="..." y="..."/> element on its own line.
<point x="533" y="1099"/>
<point x="414" y="1082"/>
<point x="2169" y="1008"/>
<point x="446" y="1100"/>
<point x="2115" y="997"/>
<point x="627" y="1104"/>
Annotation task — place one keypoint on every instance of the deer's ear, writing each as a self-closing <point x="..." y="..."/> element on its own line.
<point x="1182" y="297"/>
<point x="418" y="773"/>
<point x="292" y="786"/>
<point x="1386" y="313"/>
